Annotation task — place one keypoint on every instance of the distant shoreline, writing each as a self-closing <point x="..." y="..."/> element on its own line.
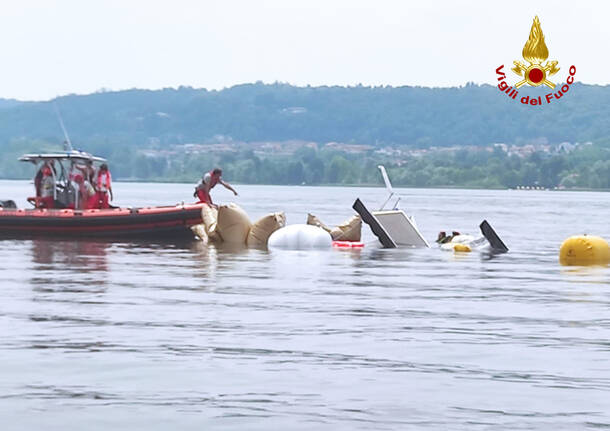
<point x="161" y="181"/>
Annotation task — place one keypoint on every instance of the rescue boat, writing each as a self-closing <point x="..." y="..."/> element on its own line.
<point x="165" y="221"/>
<point x="152" y="222"/>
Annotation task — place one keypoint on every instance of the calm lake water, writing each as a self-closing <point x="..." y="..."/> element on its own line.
<point x="155" y="336"/>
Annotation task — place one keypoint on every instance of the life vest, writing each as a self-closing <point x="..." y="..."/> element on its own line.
<point x="213" y="179"/>
<point x="200" y="192"/>
<point x="104" y="181"/>
<point x="44" y="170"/>
<point x="47" y="186"/>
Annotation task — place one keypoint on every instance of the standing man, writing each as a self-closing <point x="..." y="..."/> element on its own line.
<point x="104" y="186"/>
<point x="88" y="170"/>
<point x="47" y="188"/>
<point x="207" y="183"/>
<point x="39" y="175"/>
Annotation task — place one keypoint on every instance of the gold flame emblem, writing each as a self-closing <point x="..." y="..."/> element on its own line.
<point x="535" y="53"/>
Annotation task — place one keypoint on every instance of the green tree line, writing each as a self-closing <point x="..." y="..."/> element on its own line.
<point x="120" y="125"/>
<point x="587" y="167"/>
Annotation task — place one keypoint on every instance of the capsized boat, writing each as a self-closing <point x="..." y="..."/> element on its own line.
<point x="152" y="222"/>
<point x="401" y="227"/>
<point x="489" y="241"/>
<point x="395" y="228"/>
<point x="392" y="227"/>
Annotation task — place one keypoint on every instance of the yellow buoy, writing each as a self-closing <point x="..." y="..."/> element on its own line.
<point x="464" y="248"/>
<point x="584" y="250"/>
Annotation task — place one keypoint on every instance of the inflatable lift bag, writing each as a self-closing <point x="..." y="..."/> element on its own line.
<point x="210" y="216"/>
<point x="300" y="237"/>
<point x="199" y="231"/>
<point x="349" y="230"/>
<point x="584" y="250"/>
<point x="233" y="224"/>
<point x="262" y="229"/>
<point x="315" y="221"/>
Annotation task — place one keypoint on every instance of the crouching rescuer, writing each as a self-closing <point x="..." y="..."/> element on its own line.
<point x="207" y="183"/>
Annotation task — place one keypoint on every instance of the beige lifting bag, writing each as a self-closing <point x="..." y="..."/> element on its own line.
<point x="233" y="224"/>
<point x="209" y="215"/>
<point x="349" y="230"/>
<point x="264" y="227"/>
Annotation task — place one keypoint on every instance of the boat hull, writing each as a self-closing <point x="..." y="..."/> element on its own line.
<point x="116" y="222"/>
<point x="401" y="228"/>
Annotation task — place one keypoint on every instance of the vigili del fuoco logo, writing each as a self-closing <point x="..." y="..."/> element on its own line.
<point x="537" y="72"/>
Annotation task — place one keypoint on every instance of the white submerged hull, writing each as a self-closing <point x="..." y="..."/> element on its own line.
<point x="401" y="228"/>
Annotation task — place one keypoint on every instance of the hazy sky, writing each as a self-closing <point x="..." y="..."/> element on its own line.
<point x="57" y="47"/>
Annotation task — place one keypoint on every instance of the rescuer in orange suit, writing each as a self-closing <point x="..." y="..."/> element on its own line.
<point x="47" y="188"/>
<point x="104" y="186"/>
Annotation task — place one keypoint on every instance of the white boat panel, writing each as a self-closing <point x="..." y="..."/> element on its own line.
<point x="401" y="228"/>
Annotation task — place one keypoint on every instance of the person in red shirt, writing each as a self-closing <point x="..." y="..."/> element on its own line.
<point x="90" y="198"/>
<point x="104" y="186"/>
<point x="207" y="183"/>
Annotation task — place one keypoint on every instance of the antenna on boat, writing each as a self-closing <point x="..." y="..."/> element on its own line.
<point x="67" y="142"/>
<point x="388" y="187"/>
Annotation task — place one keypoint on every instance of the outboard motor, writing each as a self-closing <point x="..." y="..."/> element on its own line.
<point x="8" y="204"/>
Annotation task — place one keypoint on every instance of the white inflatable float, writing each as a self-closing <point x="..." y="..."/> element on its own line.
<point x="300" y="237"/>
